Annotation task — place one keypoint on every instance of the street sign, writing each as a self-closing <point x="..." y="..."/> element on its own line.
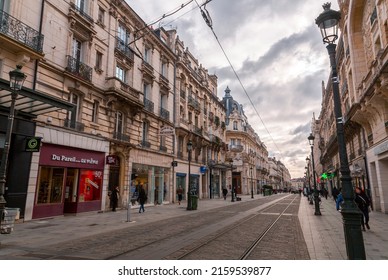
<point x="167" y="130"/>
<point x="174" y="163"/>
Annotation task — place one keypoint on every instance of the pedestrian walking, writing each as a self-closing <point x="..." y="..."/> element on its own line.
<point x="114" y="198"/>
<point x="179" y="192"/>
<point x="142" y="198"/>
<point x="363" y="203"/>
<point x="335" y="193"/>
<point x="224" y="192"/>
<point x="339" y="201"/>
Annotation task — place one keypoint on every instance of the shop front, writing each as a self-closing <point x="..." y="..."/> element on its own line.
<point x="154" y="179"/>
<point x="69" y="180"/>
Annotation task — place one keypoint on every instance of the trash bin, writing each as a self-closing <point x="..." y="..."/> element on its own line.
<point x="8" y="220"/>
<point x="194" y="202"/>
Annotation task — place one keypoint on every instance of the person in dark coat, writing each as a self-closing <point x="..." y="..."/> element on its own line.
<point x="114" y="198"/>
<point x="142" y="198"/>
<point x="363" y="203"/>
<point x="224" y="192"/>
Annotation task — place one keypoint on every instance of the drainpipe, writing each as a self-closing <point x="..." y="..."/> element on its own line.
<point x="40" y="33"/>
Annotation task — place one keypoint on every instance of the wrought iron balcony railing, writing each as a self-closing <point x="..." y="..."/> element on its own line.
<point x="120" y="136"/>
<point x="78" y="68"/>
<point x="83" y="14"/>
<point x="79" y="126"/>
<point x="21" y="32"/>
<point x="122" y="47"/>
<point x="164" y="114"/>
<point x="148" y="105"/>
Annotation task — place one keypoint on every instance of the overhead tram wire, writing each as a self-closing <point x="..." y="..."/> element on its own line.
<point x="206" y="16"/>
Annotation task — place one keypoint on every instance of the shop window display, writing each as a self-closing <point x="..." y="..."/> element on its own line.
<point x="50" y="185"/>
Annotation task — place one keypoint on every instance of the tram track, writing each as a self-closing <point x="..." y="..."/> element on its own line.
<point x="269" y="217"/>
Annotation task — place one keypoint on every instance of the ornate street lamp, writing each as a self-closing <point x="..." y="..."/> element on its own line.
<point x="316" y="195"/>
<point x="16" y="80"/>
<point x="328" y="22"/>
<point x="309" y="195"/>
<point x="251" y="183"/>
<point x="231" y="178"/>
<point x="189" y="201"/>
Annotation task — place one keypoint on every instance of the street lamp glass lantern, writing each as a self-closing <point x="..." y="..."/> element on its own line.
<point x="328" y="22"/>
<point x="189" y="145"/>
<point x="311" y="139"/>
<point x="17" y="78"/>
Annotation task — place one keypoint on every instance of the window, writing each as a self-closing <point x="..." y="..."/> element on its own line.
<point x="96" y="106"/>
<point x="123" y="34"/>
<point x="119" y="122"/>
<point x="146" y="90"/>
<point x="81" y="4"/>
<point x="98" y="66"/>
<point x="121" y="74"/>
<point x="74" y="99"/>
<point x="147" y="55"/>
<point x="50" y="185"/>
<point x="235" y="125"/>
<point x="101" y="16"/>
<point x="164" y="71"/>
<point x="145" y="131"/>
<point x="77" y="49"/>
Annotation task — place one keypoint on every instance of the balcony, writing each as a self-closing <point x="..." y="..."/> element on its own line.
<point x="164" y="83"/>
<point x="18" y="37"/>
<point x="120" y="136"/>
<point x="164" y="114"/>
<point x="78" y="126"/>
<point x="148" y="70"/>
<point x="194" y="104"/>
<point x="163" y="149"/>
<point x="123" y="49"/>
<point x="183" y="94"/>
<point x="236" y="148"/>
<point x="78" y="68"/>
<point x="145" y="144"/>
<point x="197" y="130"/>
<point x="81" y="22"/>
<point x="149" y="105"/>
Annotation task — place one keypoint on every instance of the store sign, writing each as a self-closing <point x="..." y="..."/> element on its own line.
<point x="55" y="155"/>
<point x="174" y="163"/>
<point x="202" y="169"/>
<point x="111" y="160"/>
<point x="74" y="159"/>
<point x="166" y="130"/>
<point x="381" y="148"/>
<point x="33" y="144"/>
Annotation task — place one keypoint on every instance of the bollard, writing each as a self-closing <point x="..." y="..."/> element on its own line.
<point x="129" y="211"/>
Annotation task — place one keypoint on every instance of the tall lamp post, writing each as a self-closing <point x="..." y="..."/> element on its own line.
<point x="231" y="179"/>
<point x="309" y="196"/>
<point x="16" y="80"/>
<point x="189" y="202"/>
<point x="316" y="195"/>
<point x="251" y="183"/>
<point x="328" y="22"/>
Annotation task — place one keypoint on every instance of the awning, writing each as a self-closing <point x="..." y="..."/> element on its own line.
<point x="31" y="101"/>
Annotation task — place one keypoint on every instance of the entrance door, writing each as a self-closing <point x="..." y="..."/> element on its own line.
<point x="236" y="180"/>
<point x="71" y="190"/>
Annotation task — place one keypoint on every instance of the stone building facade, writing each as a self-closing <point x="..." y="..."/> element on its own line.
<point x="362" y="59"/>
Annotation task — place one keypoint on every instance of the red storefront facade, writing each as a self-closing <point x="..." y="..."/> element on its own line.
<point x="70" y="180"/>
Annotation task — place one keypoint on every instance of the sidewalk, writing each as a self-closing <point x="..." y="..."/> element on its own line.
<point x="324" y="235"/>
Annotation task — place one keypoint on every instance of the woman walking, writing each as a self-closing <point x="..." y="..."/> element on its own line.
<point x="142" y="198"/>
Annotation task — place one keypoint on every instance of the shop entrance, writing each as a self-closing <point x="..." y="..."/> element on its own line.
<point x="71" y="190"/>
<point x="236" y="182"/>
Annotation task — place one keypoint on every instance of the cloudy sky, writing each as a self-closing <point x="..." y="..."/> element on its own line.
<point x="277" y="52"/>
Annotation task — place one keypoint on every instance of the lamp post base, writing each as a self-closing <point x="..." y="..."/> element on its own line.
<point x="353" y="235"/>
<point x="316" y="202"/>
